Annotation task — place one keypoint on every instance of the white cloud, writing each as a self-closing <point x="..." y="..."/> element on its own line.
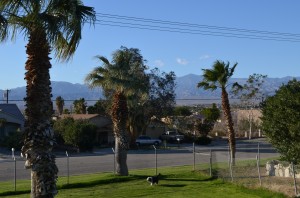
<point x="159" y="63"/>
<point x="182" y="61"/>
<point x="204" y="57"/>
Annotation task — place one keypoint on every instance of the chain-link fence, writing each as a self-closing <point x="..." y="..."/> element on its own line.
<point x="251" y="168"/>
<point x="251" y="171"/>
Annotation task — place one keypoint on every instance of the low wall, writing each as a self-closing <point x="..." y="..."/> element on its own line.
<point x="275" y="168"/>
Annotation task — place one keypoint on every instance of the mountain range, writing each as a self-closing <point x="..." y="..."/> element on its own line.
<point x="186" y="90"/>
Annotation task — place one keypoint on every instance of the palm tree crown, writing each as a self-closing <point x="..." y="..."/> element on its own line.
<point x="218" y="76"/>
<point x="123" y="74"/>
<point x="60" y="20"/>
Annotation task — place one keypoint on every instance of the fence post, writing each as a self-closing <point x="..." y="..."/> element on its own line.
<point x="15" y="168"/>
<point x="230" y="164"/>
<point x="155" y="159"/>
<point x="229" y="156"/>
<point x="114" y="160"/>
<point x="294" y="177"/>
<point x="258" y="169"/>
<point x="258" y="162"/>
<point x="194" y="156"/>
<point x="68" y="167"/>
<point x="210" y="163"/>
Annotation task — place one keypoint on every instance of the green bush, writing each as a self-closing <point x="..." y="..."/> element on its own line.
<point x="13" y="140"/>
<point x="189" y="137"/>
<point x="78" y="133"/>
<point x="280" y="121"/>
<point x="203" y="140"/>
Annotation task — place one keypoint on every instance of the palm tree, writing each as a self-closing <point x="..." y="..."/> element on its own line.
<point x="48" y="25"/>
<point x="80" y="106"/>
<point x="60" y="102"/>
<point x="124" y="78"/>
<point x="218" y="77"/>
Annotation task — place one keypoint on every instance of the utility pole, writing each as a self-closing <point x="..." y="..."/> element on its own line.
<point x="5" y="95"/>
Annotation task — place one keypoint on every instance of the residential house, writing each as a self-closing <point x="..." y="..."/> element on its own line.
<point x="105" y="133"/>
<point x="239" y="115"/>
<point x="156" y="128"/>
<point x="11" y="119"/>
<point x="104" y="124"/>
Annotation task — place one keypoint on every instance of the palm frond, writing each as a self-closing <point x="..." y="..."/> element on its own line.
<point x="103" y="59"/>
<point x="210" y="75"/>
<point x="61" y="20"/>
<point x="236" y="88"/>
<point x="232" y="69"/>
<point x="95" y="78"/>
<point x="207" y="86"/>
<point x="75" y="16"/>
<point x="3" y="28"/>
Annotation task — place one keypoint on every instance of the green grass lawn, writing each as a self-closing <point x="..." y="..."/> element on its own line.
<point x="175" y="182"/>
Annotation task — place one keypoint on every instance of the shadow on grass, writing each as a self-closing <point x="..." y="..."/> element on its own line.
<point x="191" y="180"/>
<point x="102" y="181"/>
<point x="112" y="179"/>
<point x="115" y="179"/>
<point x="172" y="185"/>
<point x="19" y="192"/>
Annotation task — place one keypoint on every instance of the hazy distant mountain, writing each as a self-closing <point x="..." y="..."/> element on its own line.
<point x="67" y="90"/>
<point x="187" y="86"/>
<point x="186" y="90"/>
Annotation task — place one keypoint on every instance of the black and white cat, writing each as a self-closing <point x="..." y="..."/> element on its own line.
<point x="154" y="179"/>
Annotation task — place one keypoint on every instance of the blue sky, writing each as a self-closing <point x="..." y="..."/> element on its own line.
<point x="179" y="52"/>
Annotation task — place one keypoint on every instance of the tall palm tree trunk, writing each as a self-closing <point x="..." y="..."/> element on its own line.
<point x="229" y="124"/>
<point x="39" y="136"/>
<point x="119" y="117"/>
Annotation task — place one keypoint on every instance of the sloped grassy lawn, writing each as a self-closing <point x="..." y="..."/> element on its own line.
<point x="175" y="182"/>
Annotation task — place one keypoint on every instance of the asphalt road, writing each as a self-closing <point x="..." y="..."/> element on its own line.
<point x="103" y="160"/>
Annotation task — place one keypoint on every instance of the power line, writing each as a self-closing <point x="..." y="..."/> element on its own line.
<point x="205" y="33"/>
<point x="93" y="100"/>
<point x="193" y="25"/>
<point x="189" y="28"/>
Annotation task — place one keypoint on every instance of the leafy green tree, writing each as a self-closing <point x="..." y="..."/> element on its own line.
<point x="162" y="95"/>
<point x="182" y="111"/>
<point x="157" y="100"/>
<point x="121" y="77"/>
<point x="252" y="89"/>
<point x="211" y="114"/>
<point x="280" y="121"/>
<point x="80" y="106"/>
<point x="203" y="127"/>
<point x="66" y="111"/>
<point x="218" y="77"/>
<point x="49" y="25"/>
<point x="60" y="102"/>
<point x="100" y="107"/>
<point x="250" y="93"/>
<point x="244" y="125"/>
<point x="78" y="133"/>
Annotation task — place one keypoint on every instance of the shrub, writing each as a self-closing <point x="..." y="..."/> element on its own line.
<point x="203" y="140"/>
<point x="78" y="133"/>
<point x="280" y="121"/>
<point x="203" y="128"/>
<point x="13" y="140"/>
